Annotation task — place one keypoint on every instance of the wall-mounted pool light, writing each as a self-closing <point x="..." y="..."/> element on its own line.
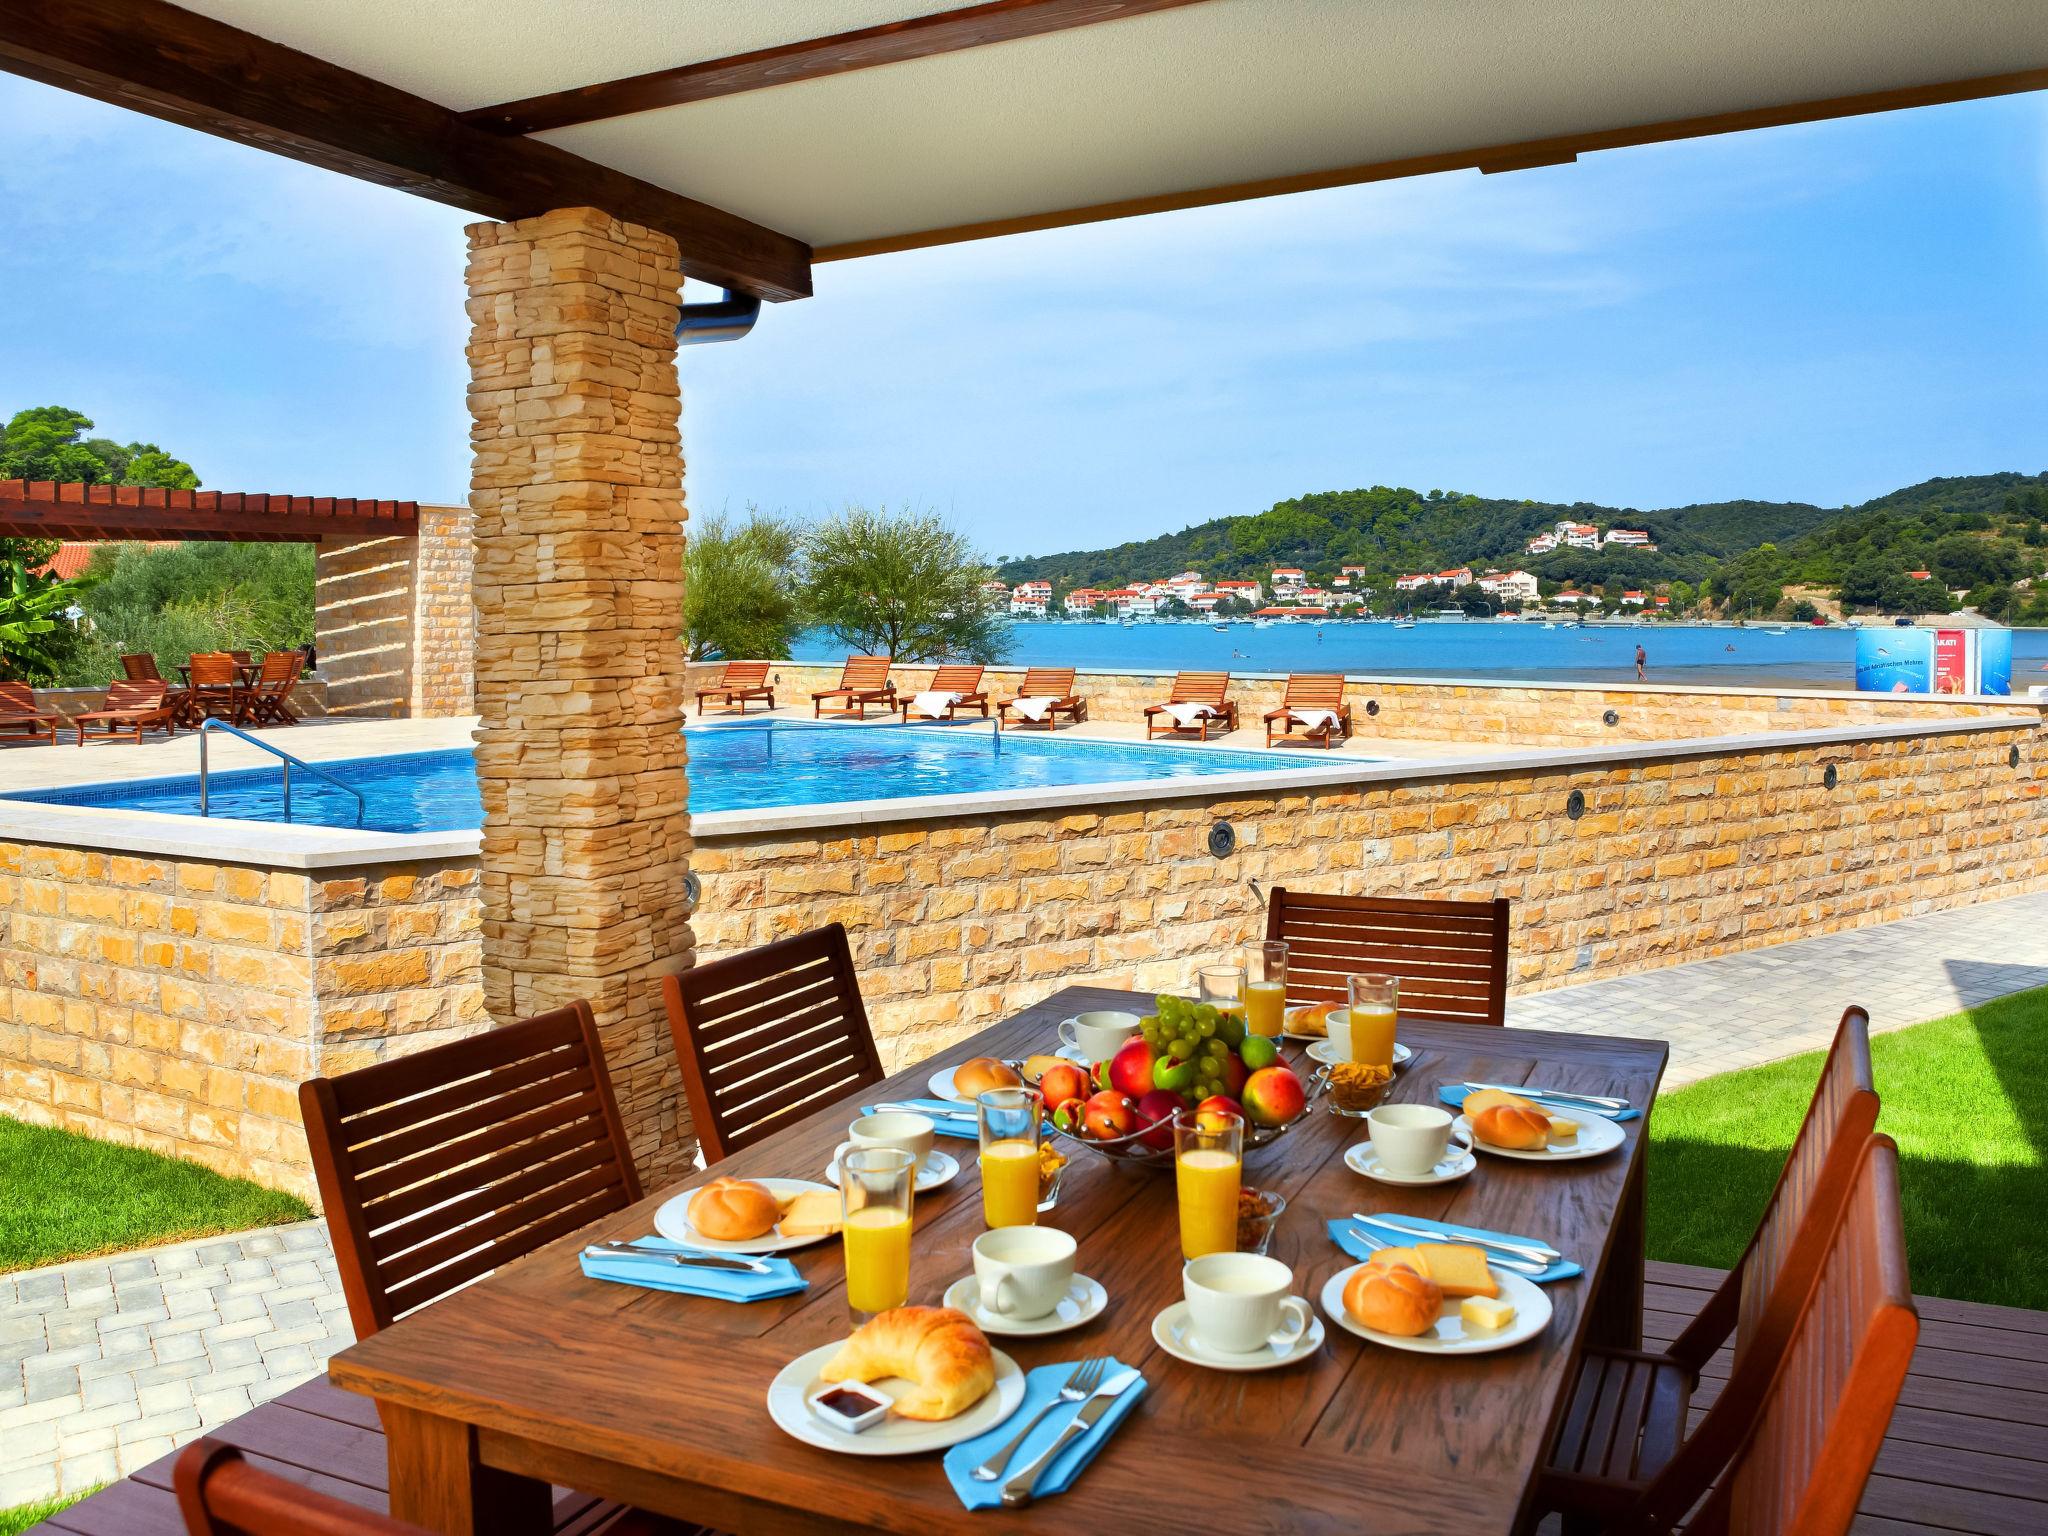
<point x="1831" y="778"/>
<point x="1612" y="717"/>
<point x="1372" y="706"/>
<point x="693" y="888"/>
<point x="1575" y="804"/>
<point x="2012" y="756"/>
<point x="1223" y="840"/>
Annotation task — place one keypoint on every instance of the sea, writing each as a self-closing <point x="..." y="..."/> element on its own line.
<point x="1751" y="655"/>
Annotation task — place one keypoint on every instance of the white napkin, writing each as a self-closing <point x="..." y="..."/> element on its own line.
<point x="1185" y="715"/>
<point x="1315" y="719"/>
<point x="933" y="704"/>
<point x="1036" y="707"/>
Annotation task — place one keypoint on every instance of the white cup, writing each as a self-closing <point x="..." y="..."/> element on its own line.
<point x="1338" y="1022"/>
<point x="904" y="1131"/>
<point x="1238" y="1301"/>
<point x="1023" y="1271"/>
<point x="1409" y="1138"/>
<point x="1099" y="1035"/>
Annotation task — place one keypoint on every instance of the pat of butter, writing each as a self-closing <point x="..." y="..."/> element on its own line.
<point x="1484" y="1314"/>
<point x="1563" y="1130"/>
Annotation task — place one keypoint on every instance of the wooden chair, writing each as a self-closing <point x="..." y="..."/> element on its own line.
<point x="738" y="682"/>
<point x="1451" y="957"/>
<point x="1210" y="688"/>
<point x="1623" y="1451"/>
<point x="439" y="1167"/>
<point x="962" y="679"/>
<point x="217" y="691"/>
<point x="142" y="669"/>
<point x="268" y="700"/>
<point x="18" y="707"/>
<point x="1310" y="691"/>
<point x="1055" y="683"/>
<point x="135" y="707"/>
<point x="1802" y="1470"/>
<point x="220" y="1494"/>
<point x="763" y="1035"/>
<point x="864" y="680"/>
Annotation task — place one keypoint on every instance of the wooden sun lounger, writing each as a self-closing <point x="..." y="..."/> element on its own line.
<point x="1210" y="688"/>
<point x="18" y="707"/>
<point x="962" y="679"/>
<point x="864" y="680"/>
<point x="1309" y="690"/>
<point x="737" y="683"/>
<point x="1055" y="683"/>
<point x="131" y="706"/>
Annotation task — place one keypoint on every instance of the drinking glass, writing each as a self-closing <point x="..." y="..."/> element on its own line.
<point x="1375" y="1001"/>
<point x="875" y="1191"/>
<point x="1265" y="988"/>
<point x="1222" y="988"/>
<point x="1208" y="1164"/>
<point x="1009" y="1123"/>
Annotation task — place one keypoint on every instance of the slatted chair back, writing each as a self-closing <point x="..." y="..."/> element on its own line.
<point x="279" y="667"/>
<point x="1451" y="957"/>
<point x="439" y="1167"/>
<point x="957" y="677"/>
<point x="762" y="1036"/>
<point x="1046" y="682"/>
<point x="1313" y="690"/>
<point x="743" y="674"/>
<point x="1803" y="1470"/>
<point x="141" y="669"/>
<point x="1199" y="687"/>
<point x="243" y="658"/>
<point x="214" y="669"/>
<point x="867" y="674"/>
<point x="17" y="699"/>
<point x="220" y="1494"/>
<point x="127" y="694"/>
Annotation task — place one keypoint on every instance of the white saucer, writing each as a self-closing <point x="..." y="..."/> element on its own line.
<point x="672" y="1221"/>
<point x="1456" y="1163"/>
<point x="1173" y="1331"/>
<point x="1596" y="1136"/>
<point x="936" y="1172"/>
<point x="789" y="1406"/>
<point x="1325" y="1051"/>
<point x="1532" y="1316"/>
<point x="1083" y="1302"/>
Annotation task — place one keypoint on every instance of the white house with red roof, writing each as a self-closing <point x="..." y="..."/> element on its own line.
<point x="1573" y="595"/>
<point x="1519" y="586"/>
<point x="1082" y="599"/>
<point x="1579" y="535"/>
<point x="1288" y="577"/>
<point x="1542" y="544"/>
<point x="1244" y="591"/>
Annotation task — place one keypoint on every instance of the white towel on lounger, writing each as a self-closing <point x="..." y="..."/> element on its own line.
<point x="1316" y="719"/>
<point x="933" y="704"/>
<point x="1187" y="716"/>
<point x="1037" y="707"/>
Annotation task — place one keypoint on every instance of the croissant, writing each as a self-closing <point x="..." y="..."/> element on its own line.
<point x="937" y="1350"/>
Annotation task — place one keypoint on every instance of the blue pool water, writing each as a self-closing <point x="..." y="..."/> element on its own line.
<point x="732" y="768"/>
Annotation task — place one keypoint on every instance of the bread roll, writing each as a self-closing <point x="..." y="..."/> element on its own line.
<point x="937" y="1350"/>
<point x="733" y="1210"/>
<point x="1479" y="1100"/>
<point x="1312" y="1020"/>
<point x="976" y="1077"/>
<point x="1514" y="1126"/>
<point x="1391" y="1298"/>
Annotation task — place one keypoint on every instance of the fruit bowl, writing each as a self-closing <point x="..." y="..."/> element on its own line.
<point x="1136" y="1150"/>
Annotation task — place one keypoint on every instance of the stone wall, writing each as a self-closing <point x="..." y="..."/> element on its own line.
<point x="362" y="624"/>
<point x="444" y="617"/>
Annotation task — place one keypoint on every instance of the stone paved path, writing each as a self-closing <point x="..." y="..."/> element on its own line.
<point x="107" y="1364"/>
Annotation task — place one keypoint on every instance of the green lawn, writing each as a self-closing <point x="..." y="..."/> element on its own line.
<point x="68" y="1197"/>
<point x="1967" y="1102"/>
<point x="22" y="1516"/>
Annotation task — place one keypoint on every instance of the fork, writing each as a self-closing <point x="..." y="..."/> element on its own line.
<point x="1499" y="1261"/>
<point x="1086" y="1377"/>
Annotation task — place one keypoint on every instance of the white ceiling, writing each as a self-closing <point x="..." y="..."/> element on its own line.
<point x="1207" y="95"/>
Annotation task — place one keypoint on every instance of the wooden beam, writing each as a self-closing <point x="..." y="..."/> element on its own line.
<point x="41" y="509"/>
<point x="190" y="69"/>
<point x="894" y="42"/>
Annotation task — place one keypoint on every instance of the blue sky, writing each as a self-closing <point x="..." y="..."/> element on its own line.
<point x="1821" y="313"/>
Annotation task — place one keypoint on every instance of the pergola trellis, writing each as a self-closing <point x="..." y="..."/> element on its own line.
<point x="46" y="509"/>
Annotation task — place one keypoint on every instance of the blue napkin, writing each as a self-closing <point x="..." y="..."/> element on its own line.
<point x="1454" y="1094"/>
<point x="939" y="1110"/>
<point x="1041" y="1386"/>
<point x="698" y="1280"/>
<point x="1563" y="1269"/>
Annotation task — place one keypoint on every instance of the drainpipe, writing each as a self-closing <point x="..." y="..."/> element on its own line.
<point x="726" y="318"/>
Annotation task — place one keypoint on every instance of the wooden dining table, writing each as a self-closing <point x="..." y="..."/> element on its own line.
<point x="539" y="1375"/>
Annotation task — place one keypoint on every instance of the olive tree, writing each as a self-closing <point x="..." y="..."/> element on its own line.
<point x="900" y="584"/>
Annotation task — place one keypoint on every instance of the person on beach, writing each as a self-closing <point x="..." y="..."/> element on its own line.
<point x="1642" y="657"/>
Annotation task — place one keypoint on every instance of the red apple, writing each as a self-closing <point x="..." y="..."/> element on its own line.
<point x="1273" y="1096"/>
<point x="1107" y="1115"/>
<point x="1155" y="1112"/>
<point x="1216" y="1112"/>
<point x="1130" y="1070"/>
<point x="1234" y="1075"/>
<point x="1061" y="1083"/>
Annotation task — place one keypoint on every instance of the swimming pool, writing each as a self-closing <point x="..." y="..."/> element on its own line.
<point x="732" y="768"/>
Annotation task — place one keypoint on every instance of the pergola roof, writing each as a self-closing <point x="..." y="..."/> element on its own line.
<point x="758" y="130"/>
<point x="44" y="509"/>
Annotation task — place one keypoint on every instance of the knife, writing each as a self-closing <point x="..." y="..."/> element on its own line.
<point x="687" y="1258"/>
<point x="935" y="1114"/>
<point x="1558" y="1096"/>
<point x="1533" y="1251"/>
<point x="1529" y="1267"/>
<point x="1017" y="1490"/>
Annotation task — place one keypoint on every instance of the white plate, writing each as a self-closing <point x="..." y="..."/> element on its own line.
<point x="1457" y="1161"/>
<point x="672" y="1221"/>
<point x="789" y="1406"/>
<point x="1596" y="1136"/>
<point x="1287" y="1030"/>
<point x="1083" y="1302"/>
<point x="1532" y="1316"/>
<point x="1173" y="1331"/>
<point x="1325" y="1052"/>
<point x="941" y="1085"/>
<point x="939" y="1170"/>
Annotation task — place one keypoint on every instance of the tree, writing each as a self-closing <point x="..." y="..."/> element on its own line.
<point x="47" y="442"/>
<point x="902" y="585"/>
<point x="1802" y="612"/>
<point x="739" y="593"/>
<point x="31" y="622"/>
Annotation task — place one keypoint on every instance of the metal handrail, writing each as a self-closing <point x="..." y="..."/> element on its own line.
<point x="290" y="763"/>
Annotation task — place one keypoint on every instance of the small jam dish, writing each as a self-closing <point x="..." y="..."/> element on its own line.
<point x="851" y="1405"/>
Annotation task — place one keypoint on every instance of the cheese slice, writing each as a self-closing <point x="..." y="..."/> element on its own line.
<point x="1562" y="1129"/>
<point x="1459" y="1269"/>
<point x="813" y="1213"/>
<point x="1485" y="1314"/>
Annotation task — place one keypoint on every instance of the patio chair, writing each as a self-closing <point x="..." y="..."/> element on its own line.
<point x="1808" y="1457"/>
<point x="1451" y="957"/>
<point x="1623" y="1453"/>
<point x="268" y="700"/>
<point x="220" y="1494"/>
<point x="142" y="668"/>
<point x="863" y="680"/>
<point x="135" y="707"/>
<point x="739" y="681"/>
<point x="18" y="707"/>
<point x="762" y="1036"/>
<point x="952" y="689"/>
<point x="1055" y="684"/>
<point x="1208" y="692"/>
<point x="1314" y="700"/>
<point x="217" y="689"/>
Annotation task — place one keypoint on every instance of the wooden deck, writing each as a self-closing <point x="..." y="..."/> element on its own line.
<point x="1967" y="1452"/>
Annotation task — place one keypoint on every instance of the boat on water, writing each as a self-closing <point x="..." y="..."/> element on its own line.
<point x="1404" y="623"/>
<point x="1221" y="629"/>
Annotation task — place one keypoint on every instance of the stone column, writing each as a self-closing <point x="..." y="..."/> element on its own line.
<point x="443" y="616"/>
<point x="577" y="494"/>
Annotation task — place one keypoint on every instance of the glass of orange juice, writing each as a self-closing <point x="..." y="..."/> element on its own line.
<point x="1265" y="988"/>
<point x="875" y="1191"/>
<point x="1009" y="1122"/>
<point x="1375" y="1002"/>
<point x="1208" y="1162"/>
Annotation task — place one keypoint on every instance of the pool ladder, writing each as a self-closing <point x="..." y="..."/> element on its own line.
<point x="207" y="727"/>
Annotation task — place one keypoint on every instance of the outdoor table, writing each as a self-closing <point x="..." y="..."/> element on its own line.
<point x="538" y="1375"/>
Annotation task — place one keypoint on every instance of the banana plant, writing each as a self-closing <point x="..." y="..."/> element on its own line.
<point x="31" y="612"/>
